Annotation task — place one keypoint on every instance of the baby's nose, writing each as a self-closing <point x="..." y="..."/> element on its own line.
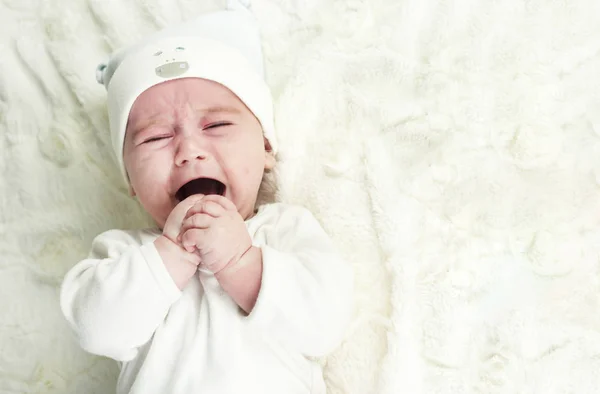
<point x="189" y="150"/>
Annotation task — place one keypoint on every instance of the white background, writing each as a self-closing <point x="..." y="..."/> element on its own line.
<point x="451" y="148"/>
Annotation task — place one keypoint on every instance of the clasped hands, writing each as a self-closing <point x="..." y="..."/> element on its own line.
<point x="211" y="228"/>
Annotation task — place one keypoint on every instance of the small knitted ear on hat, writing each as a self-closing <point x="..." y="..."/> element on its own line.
<point x="105" y="70"/>
<point x="100" y="73"/>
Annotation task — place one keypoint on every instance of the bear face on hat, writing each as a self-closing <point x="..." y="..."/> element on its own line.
<point x="173" y="65"/>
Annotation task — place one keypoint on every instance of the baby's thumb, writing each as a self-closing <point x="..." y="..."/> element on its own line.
<point x="177" y="215"/>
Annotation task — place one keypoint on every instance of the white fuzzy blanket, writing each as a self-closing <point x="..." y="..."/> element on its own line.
<point x="451" y="148"/>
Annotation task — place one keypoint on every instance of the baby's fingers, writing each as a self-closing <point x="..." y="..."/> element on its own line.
<point x="172" y="227"/>
<point x="199" y="220"/>
<point x="210" y="208"/>
<point x="223" y="201"/>
<point x="192" y="238"/>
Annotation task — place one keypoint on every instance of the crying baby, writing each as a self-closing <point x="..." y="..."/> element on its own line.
<point x="223" y="295"/>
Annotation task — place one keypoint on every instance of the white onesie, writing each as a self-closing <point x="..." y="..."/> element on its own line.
<point x="123" y="304"/>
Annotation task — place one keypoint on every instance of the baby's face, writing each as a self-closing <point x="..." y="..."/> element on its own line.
<point x="190" y="136"/>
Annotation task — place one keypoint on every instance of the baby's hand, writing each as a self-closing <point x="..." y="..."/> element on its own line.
<point x="180" y="264"/>
<point x="216" y="230"/>
<point x="172" y="227"/>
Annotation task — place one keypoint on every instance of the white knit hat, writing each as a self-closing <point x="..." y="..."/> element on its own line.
<point x="222" y="46"/>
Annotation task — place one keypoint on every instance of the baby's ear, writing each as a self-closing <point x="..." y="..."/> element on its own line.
<point x="269" y="156"/>
<point x="268" y="147"/>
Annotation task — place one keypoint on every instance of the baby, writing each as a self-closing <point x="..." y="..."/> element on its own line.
<point x="220" y="297"/>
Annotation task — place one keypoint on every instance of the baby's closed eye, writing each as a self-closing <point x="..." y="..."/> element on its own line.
<point x="155" y="138"/>
<point x="217" y="124"/>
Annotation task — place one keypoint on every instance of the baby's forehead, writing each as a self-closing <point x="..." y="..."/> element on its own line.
<point x="196" y="93"/>
<point x="189" y="96"/>
<point x="186" y="82"/>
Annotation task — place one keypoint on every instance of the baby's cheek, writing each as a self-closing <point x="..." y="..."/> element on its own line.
<point x="131" y="166"/>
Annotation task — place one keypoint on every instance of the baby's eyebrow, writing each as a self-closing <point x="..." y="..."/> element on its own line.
<point x="144" y="124"/>
<point x="218" y="110"/>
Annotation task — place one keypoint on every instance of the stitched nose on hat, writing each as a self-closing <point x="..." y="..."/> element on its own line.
<point x="172" y="70"/>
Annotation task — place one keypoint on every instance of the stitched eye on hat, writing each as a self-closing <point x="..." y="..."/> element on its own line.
<point x="158" y="53"/>
<point x="179" y="49"/>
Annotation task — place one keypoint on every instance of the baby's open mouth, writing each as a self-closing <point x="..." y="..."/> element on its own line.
<point x="204" y="186"/>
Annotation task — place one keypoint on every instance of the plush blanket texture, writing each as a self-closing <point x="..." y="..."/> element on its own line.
<point x="450" y="147"/>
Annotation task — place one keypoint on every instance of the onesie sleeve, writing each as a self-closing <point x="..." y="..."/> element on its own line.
<point x="305" y="299"/>
<point x="116" y="298"/>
